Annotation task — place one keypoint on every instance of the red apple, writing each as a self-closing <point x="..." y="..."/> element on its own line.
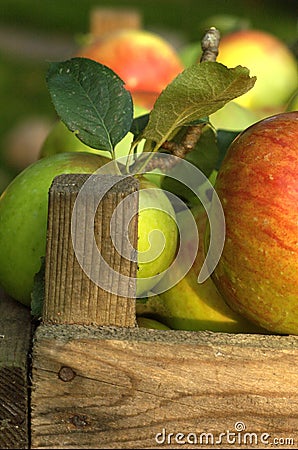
<point x="269" y="59"/>
<point x="145" y="61"/>
<point x="257" y="185"/>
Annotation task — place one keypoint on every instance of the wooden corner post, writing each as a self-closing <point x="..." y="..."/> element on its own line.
<point x="87" y="278"/>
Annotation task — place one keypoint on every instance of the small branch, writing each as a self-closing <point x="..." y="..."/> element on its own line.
<point x="155" y="161"/>
<point x="188" y="143"/>
<point x="210" y="44"/>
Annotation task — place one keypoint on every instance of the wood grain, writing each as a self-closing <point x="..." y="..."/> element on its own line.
<point x="15" y="342"/>
<point x="129" y="385"/>
<point x="71" y="296"/>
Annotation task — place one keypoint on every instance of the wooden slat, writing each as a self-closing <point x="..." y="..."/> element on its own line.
<point x="70" y="295"/>
<point x="15" y="340"/>
<point x="120" y="388"/>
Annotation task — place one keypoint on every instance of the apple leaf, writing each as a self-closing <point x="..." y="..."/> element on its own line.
<point x="91" y="100"/>
<point x="197" y="92"/>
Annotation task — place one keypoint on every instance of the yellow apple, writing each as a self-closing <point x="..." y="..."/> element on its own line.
<point x="157" y="237"/>
<point x="269" y="59"/>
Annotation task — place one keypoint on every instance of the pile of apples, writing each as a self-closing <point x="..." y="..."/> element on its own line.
<point x="254" y="288"/>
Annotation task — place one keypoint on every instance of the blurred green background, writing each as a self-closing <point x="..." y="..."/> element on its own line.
<point x="34" y="32"/>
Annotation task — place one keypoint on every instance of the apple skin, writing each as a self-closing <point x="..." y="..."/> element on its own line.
<point x="23" y="219"/>
<point x="151" y="260"/>
<point x="146" y="322"/>
<point x="269" y="59"/>
<point x="191" y="306"/>
<point x="257" y="274"/>
<point x="145" y="61"/>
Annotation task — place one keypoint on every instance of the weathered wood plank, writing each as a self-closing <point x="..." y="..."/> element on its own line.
<point x="132" y="388"/>
<point x="15" y="340"/>
<point x="72" y="295"/>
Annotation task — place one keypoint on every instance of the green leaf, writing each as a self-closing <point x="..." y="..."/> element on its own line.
<point x="197" y="92"/>
<point x="91" y="100"/>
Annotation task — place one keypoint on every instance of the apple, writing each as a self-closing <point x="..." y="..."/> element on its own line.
<point x="269" y="59"/>
<point x="145" y="61"/>
<point x="23" y="224"/>
<point x="146" y="322"/>
<point x="157" y="237"/>
<point x="189" y="305"/>
<point x="23" y="219"/>
<point x="257" y="274"/>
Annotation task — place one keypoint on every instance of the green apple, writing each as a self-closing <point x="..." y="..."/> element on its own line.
<point x="145" y="61"/>
<point x="157" y="237"/>
<point x="23" y="224"/>
<point x="269" y="59"/>
<point x="257" y="273"/>
<point x="23" y="218"/>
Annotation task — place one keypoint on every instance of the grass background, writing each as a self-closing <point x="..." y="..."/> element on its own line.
<point x="22" y="76"/>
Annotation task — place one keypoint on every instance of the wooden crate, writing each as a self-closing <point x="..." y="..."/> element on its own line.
<point x="99" y="381"/>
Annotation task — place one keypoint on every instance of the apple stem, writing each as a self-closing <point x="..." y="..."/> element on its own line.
<point x="210" y="44"/>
